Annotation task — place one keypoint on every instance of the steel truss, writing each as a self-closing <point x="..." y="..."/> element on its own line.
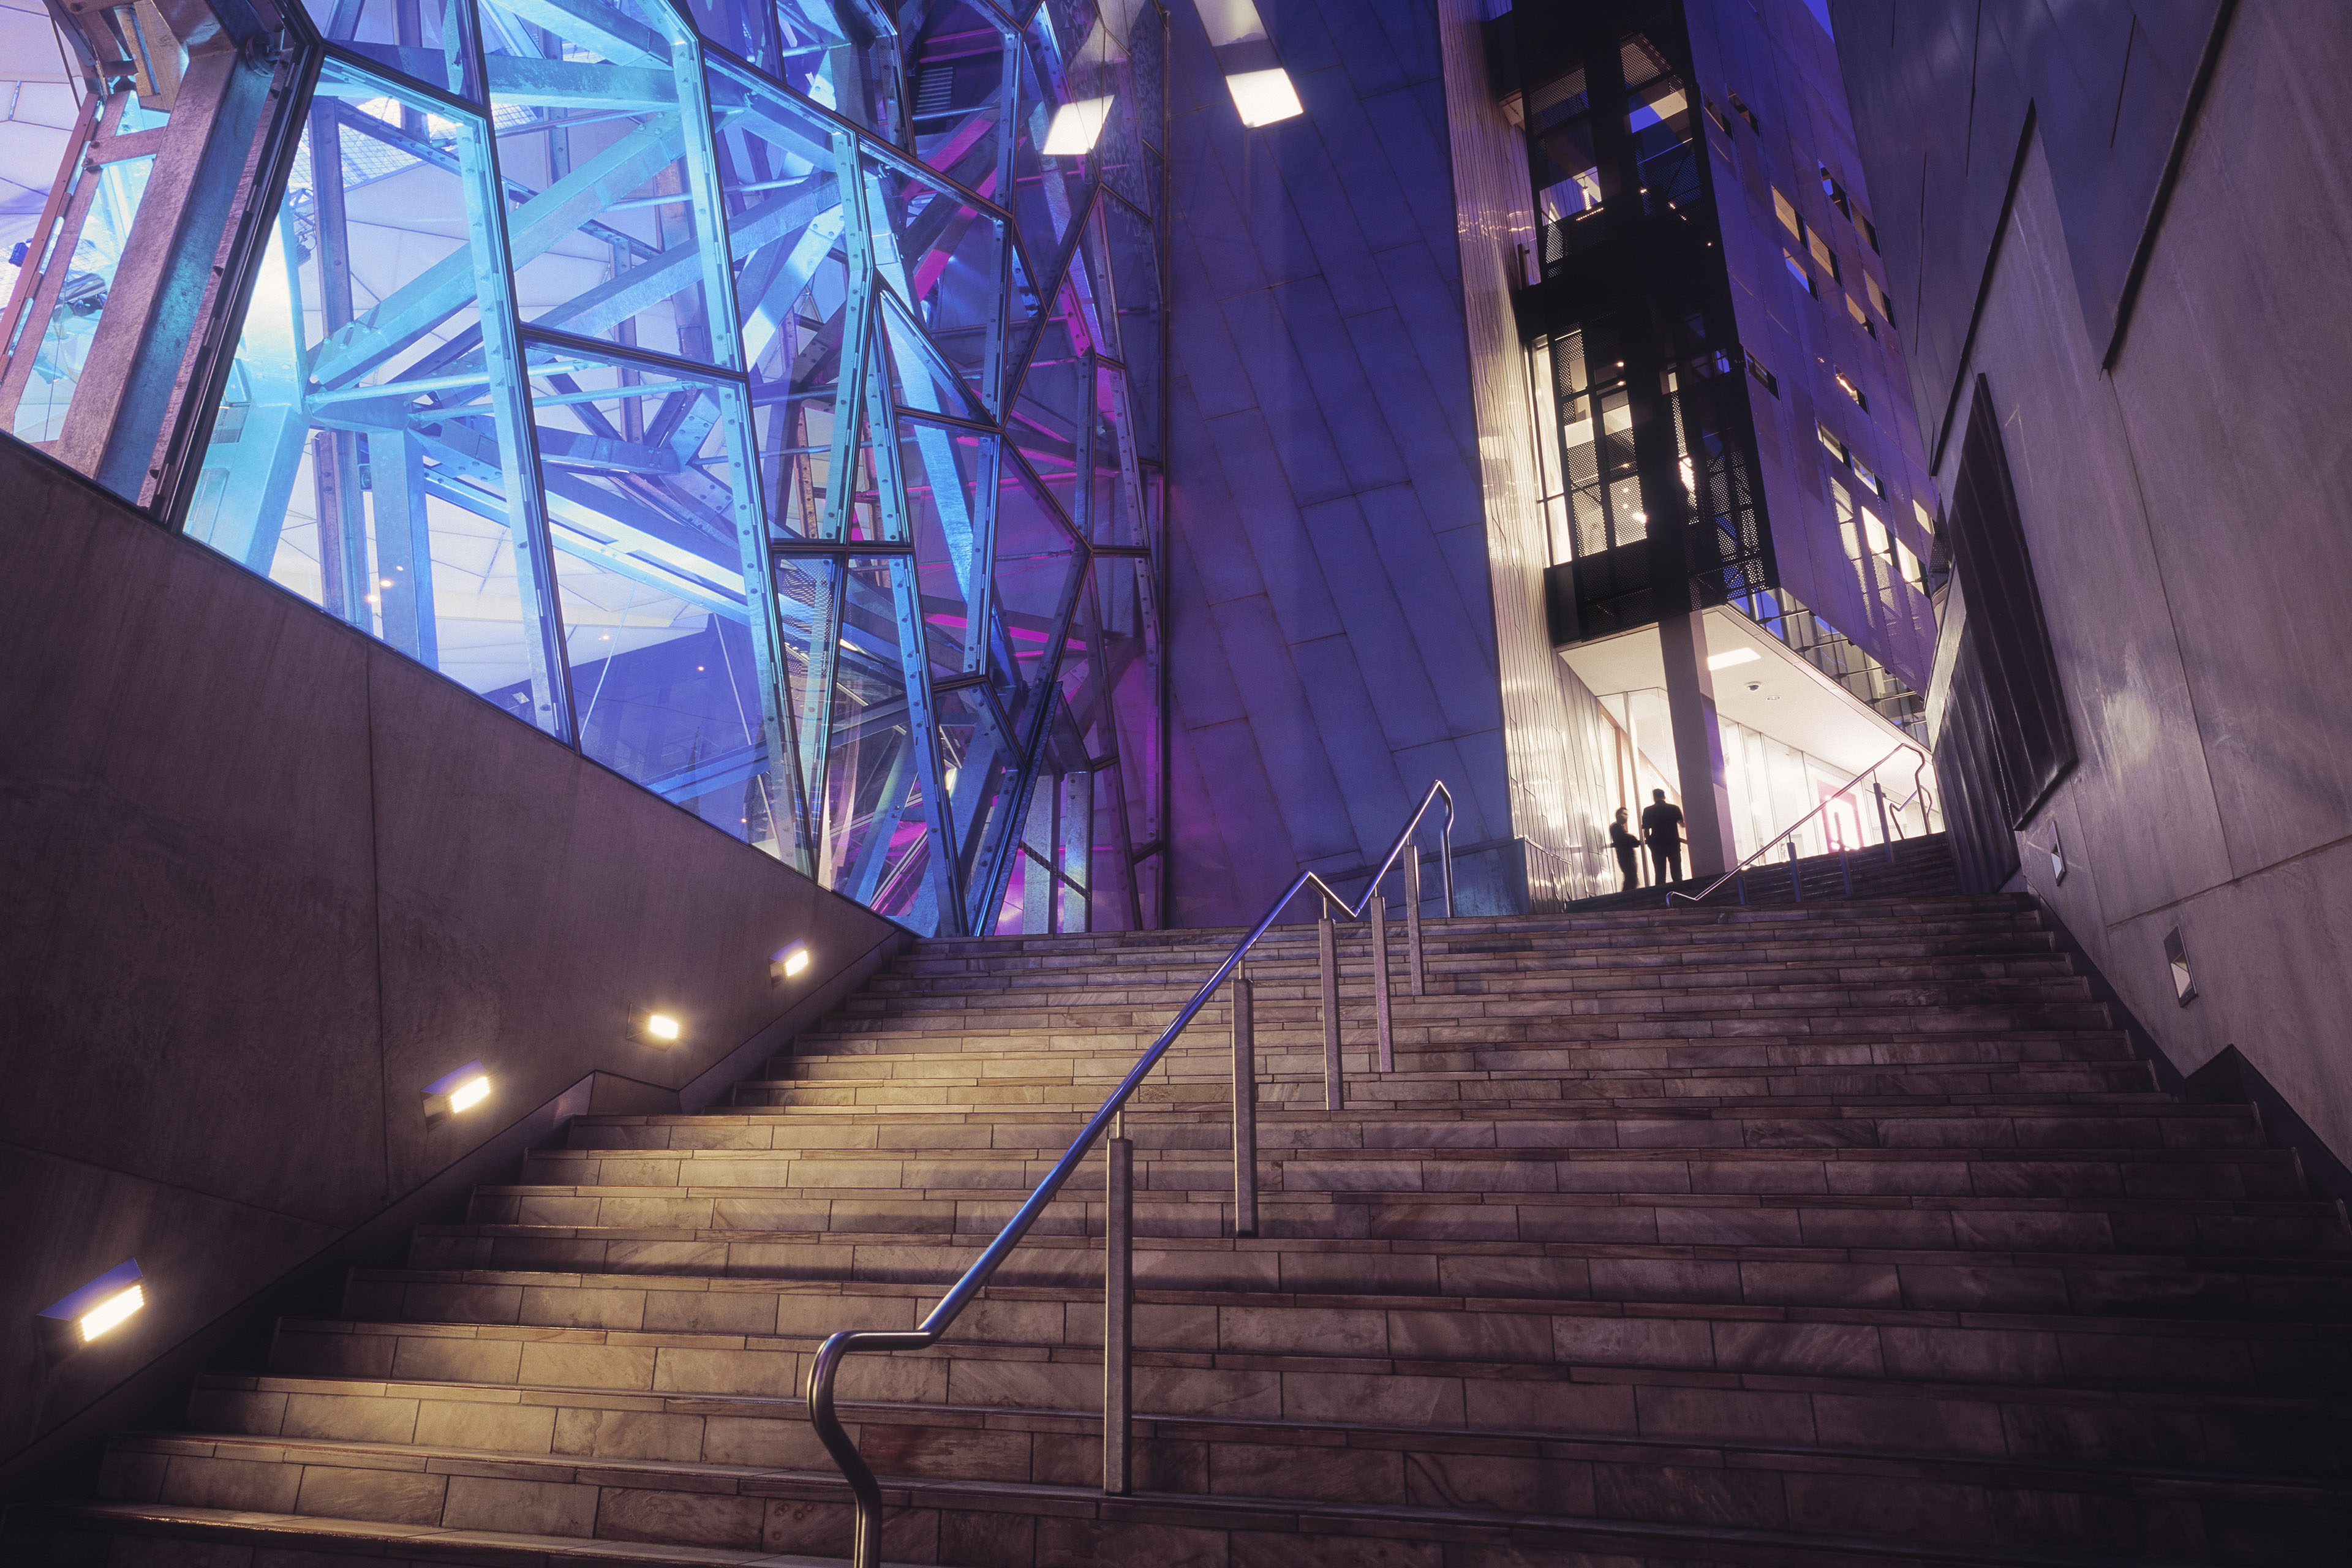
<point x="590" y="340"/>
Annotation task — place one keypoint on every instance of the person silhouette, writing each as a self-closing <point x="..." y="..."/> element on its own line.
<point x="1661" y="826"/>
<point x="1629" y="849"/>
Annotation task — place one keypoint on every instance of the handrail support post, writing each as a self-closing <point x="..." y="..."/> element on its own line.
<point x="1413" y="916"/>
<point x="1244" y="1108"/>
<point x="1119" y="1314"/>
<point x="1326" y="947"/>
<point x="1381" y="981"/>
<point x="1884" y="837"/>
<point x="1796" y="872"/>
<point x="1845" y="864"/>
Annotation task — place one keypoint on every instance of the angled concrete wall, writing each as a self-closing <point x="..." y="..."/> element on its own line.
<point x="1332" y="624"/>
<point x="266" y="878"/>
<point x="2182" y="503"/>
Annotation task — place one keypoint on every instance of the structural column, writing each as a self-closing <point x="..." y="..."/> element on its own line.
<point x="1699" y="745"/>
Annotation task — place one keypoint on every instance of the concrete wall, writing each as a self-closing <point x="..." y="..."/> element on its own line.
<point x="2184" y="512"/>
<point x="1332" y="627"/>
<point x="266" y="878"/>
<point x="1783" y="65"/>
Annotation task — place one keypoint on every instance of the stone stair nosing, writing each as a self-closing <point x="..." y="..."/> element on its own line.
<point x="1846" y="1232"/>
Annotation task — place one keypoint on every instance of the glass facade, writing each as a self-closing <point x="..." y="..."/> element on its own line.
<point x="764" y="401"/>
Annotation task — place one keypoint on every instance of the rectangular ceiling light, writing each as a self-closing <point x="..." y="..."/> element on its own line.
<point x="1737" y="656"/>
<point x="1076" y="128"/>
<point x="1262" y="90"/>
<point x="1264" y="96"/>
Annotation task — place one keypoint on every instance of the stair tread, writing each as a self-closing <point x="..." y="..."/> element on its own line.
<point x="1387" y="1434"/>
<point x="1921" y="1219"/>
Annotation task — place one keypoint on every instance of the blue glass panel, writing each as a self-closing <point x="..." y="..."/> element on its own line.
<point x="955" y="93"/>
<point x="845" y="55"/>
<point x="365" y="454"/>
<point x="1051" y="190"/>
<point x="643" y="509"/>
<point x="606" y="219"/>
<point x="425" y="40"/>
<point x="1134" y="256"/>
<point x="744" y="28"/>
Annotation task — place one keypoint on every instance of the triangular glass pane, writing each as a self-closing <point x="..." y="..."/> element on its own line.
<point x="944" y="261"/>
<point x="977" y="765"/>
<point x="955" y="75"/>
<point x="921" y="379"/>
<point x="1037" y="566"/>
<point x="1132" y="658"/>
<point x="426" y="43"/>
<point x="942" y="467"/>
<point x="1050" y="415"/>
<point x="1134" y="264"/>
<point x="601" y="220"/>
<point x="1113" y="510"/>
<point x="1091" y="299"/>
<point x="1025" y="313"/>
<point x="873" y="824"/>
<point x="1130" y="32"/>
<point x="1051" y="189"/>
<point x="830" y="50"/>
<point x="744" y="28"/>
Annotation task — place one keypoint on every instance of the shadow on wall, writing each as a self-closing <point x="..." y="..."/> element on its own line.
<point x="268" y="881"/>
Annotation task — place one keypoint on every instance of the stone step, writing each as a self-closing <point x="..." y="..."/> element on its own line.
<point x="901" y="1234"/>
<point x="1917" y="917"/>
<point x="1297" y="976"/>
<point x="1812" y="986"/>
<point x="1283" y="1048"/>
<point x="1580" y="1370"/>
<point x="2025" y="1005"/>
<point x="1758" y="1123"/>
<point x="741" y="1511"/>
<point x="748" y="1188"/>
<point x="1527" y="1089"/>
<point x="1664" y="1158"/>
<point x="81" y="1535"/>
<point x="2316" y="1289"/>
<point x="1753" y="1486"/>
<point x="2017" y="1277"/>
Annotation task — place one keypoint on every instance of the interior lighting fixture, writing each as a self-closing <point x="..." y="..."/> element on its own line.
<point x="1264" y="96"/>
<point x="1262" y="90"/>
<point x="1076" y="128"/>
<point x="104" y="1304"/>
<point x="652" y="1028"/>
<point x="2057" y="856"/>
<point x="455" y="1093"/>
<point x="2175" y="953"/>
<point x="1736" y="656"/>
<point x="789" y="963"/>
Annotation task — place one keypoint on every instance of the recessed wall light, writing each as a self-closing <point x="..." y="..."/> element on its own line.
<point x="96" y="1309"/>
<point x="2176" y="955"/>
<point x="788" y="963"/>
<point x="455" y="1093"/>
<point x="652" y="1028"/>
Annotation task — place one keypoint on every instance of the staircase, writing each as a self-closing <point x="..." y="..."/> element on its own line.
<point x="1844" y="1233"/>
<point x="1917" y="868"/>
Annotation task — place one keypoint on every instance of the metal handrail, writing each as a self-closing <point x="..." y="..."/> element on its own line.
<point x="866" y="1550"/>
<point x="1827" y="801"/>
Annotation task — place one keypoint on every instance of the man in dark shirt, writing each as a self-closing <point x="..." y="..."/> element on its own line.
<point x="1661" y="826"/>
<point x="1628" y="847"/>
